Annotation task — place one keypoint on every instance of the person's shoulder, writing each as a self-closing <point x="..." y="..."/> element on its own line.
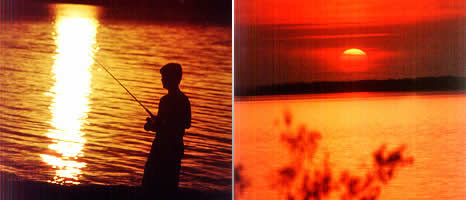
<point x="164" y="98"/>
<point x="184" y="96"/>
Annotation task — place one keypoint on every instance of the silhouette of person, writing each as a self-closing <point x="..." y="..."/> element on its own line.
<point x="162" y="169"/>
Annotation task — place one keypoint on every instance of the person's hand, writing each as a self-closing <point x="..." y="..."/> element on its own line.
<point x="150" y="125"/>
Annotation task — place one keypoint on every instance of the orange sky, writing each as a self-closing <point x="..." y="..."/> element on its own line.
<point x="345" y="11"/>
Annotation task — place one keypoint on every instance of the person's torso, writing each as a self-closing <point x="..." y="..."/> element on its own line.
<point x="173" y="116"/>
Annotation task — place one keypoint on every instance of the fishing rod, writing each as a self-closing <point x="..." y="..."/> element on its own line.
<point x="101" y="65"/>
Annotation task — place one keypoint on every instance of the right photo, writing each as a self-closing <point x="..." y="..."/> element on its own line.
<point x="349" y="99"/>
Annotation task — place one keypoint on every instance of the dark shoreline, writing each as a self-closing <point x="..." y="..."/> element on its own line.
<point x="424" y="84"/>
<point x="13" y="189"/>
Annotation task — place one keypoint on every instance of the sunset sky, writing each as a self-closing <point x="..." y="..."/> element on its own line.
<point x="303" y="41"/>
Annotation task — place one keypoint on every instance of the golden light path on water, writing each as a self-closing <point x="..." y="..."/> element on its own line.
<point x="75" y="38"/>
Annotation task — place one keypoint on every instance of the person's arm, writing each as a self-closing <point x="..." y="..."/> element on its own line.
<point x="153" y="124"/>
<point x="188" y="115"/>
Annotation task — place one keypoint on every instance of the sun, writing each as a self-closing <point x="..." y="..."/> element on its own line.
<point x="354" y="52"/>
<point x="353" y="60"/>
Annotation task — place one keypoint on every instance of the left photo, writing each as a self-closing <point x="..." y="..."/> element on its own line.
<point x="114" y="99"/>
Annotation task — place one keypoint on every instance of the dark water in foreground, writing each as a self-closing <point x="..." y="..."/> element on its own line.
<point x="64" y="120"/>
<point x="14" y="190"/>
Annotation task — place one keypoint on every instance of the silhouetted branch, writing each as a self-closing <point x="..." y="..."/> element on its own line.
<point x="240" y="181"/>
<point x="303" y="179"/>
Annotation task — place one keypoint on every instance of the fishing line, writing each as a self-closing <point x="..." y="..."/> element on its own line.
<point x="103" y="66"/>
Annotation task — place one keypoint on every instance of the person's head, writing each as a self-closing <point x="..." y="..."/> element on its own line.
<point x="171" y="75"/>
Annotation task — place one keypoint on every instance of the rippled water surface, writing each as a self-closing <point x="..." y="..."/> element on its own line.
<point x="65" y="120"/>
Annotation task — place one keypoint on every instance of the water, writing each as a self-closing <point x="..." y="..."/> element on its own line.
<point x="353" y="126"/>
<point x="65" y="121"/>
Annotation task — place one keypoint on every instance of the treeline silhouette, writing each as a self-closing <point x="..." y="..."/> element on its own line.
<point x="443" y="83"/>
<point x="304" y="178"/>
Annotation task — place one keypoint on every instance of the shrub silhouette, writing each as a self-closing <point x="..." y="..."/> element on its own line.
<point x="302" y="178"/>
<point x="240" y="181"/>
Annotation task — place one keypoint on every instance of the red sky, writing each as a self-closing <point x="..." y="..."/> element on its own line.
<point x="279" y="41"/>
<point x="345" y="11"/>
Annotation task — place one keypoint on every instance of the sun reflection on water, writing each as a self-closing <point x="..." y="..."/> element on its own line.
<point x="75" y="37"/>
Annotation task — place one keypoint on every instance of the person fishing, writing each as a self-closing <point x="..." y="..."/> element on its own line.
<point x="162" y="169"/>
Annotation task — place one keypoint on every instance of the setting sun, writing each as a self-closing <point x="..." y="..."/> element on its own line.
<point x="354" y="52"/>
<point x="353" y="60"/>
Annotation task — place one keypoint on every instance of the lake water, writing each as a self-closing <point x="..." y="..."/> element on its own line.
<point x="431" y="126"/>
<point x="65" y="120"/>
